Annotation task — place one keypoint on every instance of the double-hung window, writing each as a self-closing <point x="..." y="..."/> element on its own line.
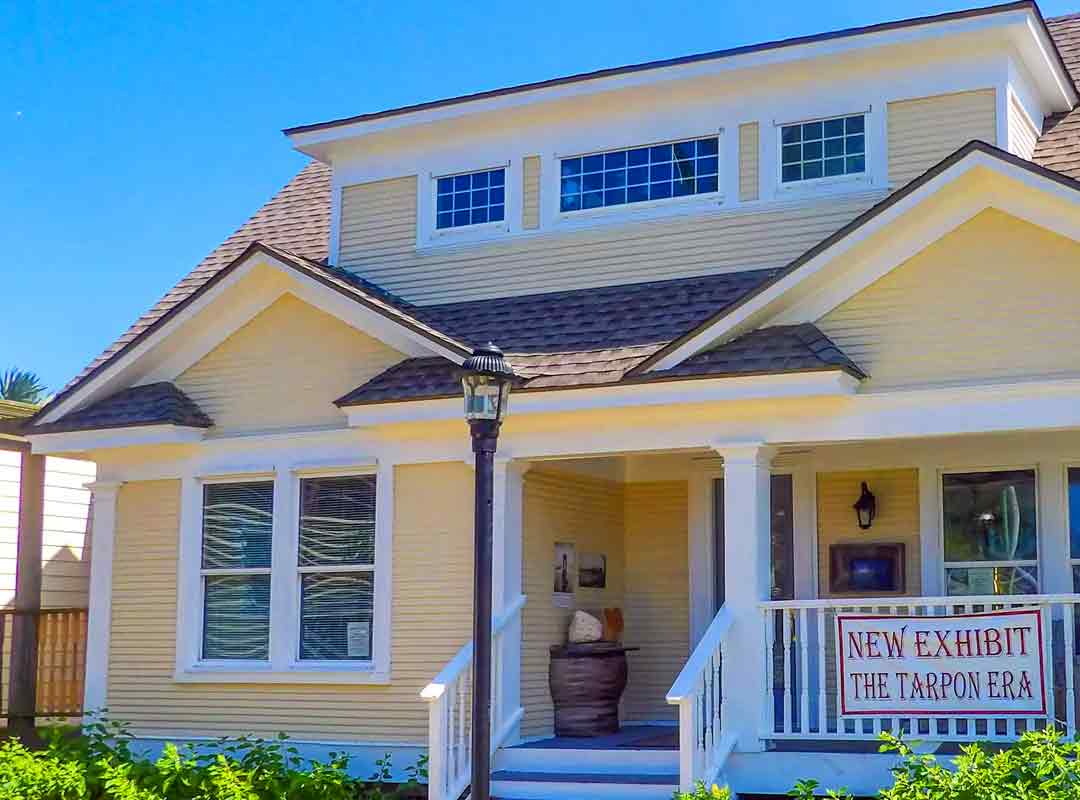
<point x="280" y="579"/>
<point x="639" y="174"/>
<point x="237" y="537"/>
<point x="823" y="148"/>
<point x="990" y="526"/>
<point x="336" y="565"/>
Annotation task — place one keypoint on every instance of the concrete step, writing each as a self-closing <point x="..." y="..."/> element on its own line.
<point x="568" y="785"/>
<point x="594" y="761"/>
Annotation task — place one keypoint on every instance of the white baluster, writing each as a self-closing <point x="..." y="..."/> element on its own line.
<point x="787" y="672"/>
<point x="1070" y="689"/>
<point x="823" y="709"/>
<point x="804" y="674"/>
<point x="770" y="705"/>
<point x="1046" y="610"/>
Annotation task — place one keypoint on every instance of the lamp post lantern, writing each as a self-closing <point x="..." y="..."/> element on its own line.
<point x="486" y="379"/>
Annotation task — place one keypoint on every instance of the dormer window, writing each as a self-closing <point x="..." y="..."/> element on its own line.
<point x="639" y="174"/>
<point x="823" y="149"/>
<point x="470" y="198"/>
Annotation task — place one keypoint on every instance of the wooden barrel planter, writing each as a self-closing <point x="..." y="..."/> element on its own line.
<point x="587" y="682"/>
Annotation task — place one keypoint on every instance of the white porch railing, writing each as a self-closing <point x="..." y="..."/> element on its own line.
<point x="801" y="686"/>
<point x="703" y="745"/>
<point x="449" y="698"/>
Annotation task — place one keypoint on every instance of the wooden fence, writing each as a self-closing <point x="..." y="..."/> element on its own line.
<point x="61" y="660"/>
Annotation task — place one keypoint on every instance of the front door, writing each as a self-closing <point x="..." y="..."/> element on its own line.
<point x="782" y="540"/>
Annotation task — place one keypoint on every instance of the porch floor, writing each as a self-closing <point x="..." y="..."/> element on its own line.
<point x="629" y="737"/>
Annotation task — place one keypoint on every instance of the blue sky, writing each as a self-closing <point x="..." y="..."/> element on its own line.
<point x="134" y="137"/>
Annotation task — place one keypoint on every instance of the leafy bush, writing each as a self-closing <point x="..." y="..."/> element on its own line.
<point x="101" y="765"/>
<point x="1041" y="765"/>
<point x="703" y="792"/>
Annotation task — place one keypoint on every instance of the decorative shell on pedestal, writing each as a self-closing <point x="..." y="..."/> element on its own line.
<point x="585" y="628"/>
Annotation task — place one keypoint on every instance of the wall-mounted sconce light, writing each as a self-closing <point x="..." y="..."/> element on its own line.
<point x="866" y="507"/>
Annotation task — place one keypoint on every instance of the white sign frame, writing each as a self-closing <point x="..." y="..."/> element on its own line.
<point x="921" y="641"/>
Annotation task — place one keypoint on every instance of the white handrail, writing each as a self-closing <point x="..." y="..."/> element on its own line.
<point x="951" y="600"/>
<point x="449" y="699"/>
<point x="687" y="681"/>
<point x="703" y="745"/>
<point x="460" y="662"/>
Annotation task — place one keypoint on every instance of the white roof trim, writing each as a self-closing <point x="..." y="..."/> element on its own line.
<point x="781" y="304"/>
<point x="107" y="438"/>
<point x="824" y="383"/>
<point x="1021" y="23"/>
<point x="136" y="366"/>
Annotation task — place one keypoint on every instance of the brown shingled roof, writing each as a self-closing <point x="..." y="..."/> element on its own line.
<point x="151" y="404"/>
<point x="296" y="219"/>
<point x="1059" y="146"/>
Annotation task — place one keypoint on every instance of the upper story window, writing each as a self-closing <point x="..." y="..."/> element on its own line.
<point x="470" y="198"/>
<point x="635" y="175"/>
<point x="824" y="148"/>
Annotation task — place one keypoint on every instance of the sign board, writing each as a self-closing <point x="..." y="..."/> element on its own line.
<point x="989" y="664"/>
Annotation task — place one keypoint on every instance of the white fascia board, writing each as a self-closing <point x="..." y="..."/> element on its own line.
<point x="660" y="393"/>
<point x="779" y="304"/>
<point x="1038" y="52"/>
<point x="125" y="370"/>
<point x="1020" y="22"/>
<point x="107" y="438"/>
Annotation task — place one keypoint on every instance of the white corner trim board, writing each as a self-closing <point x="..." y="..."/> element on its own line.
<point x="99" y="624"/>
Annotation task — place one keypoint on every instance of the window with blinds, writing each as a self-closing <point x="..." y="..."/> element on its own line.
<point x="237" y="535"/>
<point x="336" y="562"/>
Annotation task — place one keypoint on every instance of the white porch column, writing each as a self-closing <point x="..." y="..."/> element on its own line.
<point x="99" y="624"/>
<point x="746" y="560"/>
<point x="1055" y="569"/>
<point x="507" y="587"/>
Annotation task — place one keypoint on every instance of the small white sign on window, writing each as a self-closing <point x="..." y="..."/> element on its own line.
<point x="358" y="639"/>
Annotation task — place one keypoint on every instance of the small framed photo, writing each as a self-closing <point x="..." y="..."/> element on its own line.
<point x="592" y="573"/>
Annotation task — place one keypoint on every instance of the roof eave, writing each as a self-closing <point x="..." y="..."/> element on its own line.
<point x="313" y="139"/>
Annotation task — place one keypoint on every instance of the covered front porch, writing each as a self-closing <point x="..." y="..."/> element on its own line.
<point x="732" y="565"/>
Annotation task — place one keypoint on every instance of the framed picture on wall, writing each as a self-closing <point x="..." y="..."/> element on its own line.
<point x="592" y="573"/>
<point x="565" y="574"/>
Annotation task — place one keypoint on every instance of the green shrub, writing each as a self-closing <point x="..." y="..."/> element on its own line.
<point x="1041" y="765"/>
<point x="703" y="792"/>
<point x="102" y="766"/>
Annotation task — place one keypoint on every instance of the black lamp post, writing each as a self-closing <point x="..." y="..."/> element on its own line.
<point x="486" y="379"/>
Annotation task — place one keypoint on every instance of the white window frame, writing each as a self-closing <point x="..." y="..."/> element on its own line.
<point x="947" y="565"/>
<point x="1069" y="559"/>
<point x="818" y="185"/>
<point x="284" y="664"/>
<point x="429" y="235"/>
<point x="663" y="207"/>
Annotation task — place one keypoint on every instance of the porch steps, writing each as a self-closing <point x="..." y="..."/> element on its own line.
<point x="537" y="773"/>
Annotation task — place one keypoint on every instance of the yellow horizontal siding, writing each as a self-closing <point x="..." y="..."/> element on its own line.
<point x="657" y="595"/>
<point x="432" y="608"/>
<point x="748" y="161"/>
<point x="378" y="242"/>
<point x="283" y="369"/>
<point x="994" y="300"/>
<point x="530" y="193"/>
<point x="1022" y="133"/>
<point x="897" y="493"/>
<point x="925" y="130"/>
<point x="562" y="508"/>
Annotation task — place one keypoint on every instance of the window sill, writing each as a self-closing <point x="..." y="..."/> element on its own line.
<point x="294" y="674"/>
<point x="648" y="209"/>
<point x="471" y="234"/>
<point x="824" y="186"/>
